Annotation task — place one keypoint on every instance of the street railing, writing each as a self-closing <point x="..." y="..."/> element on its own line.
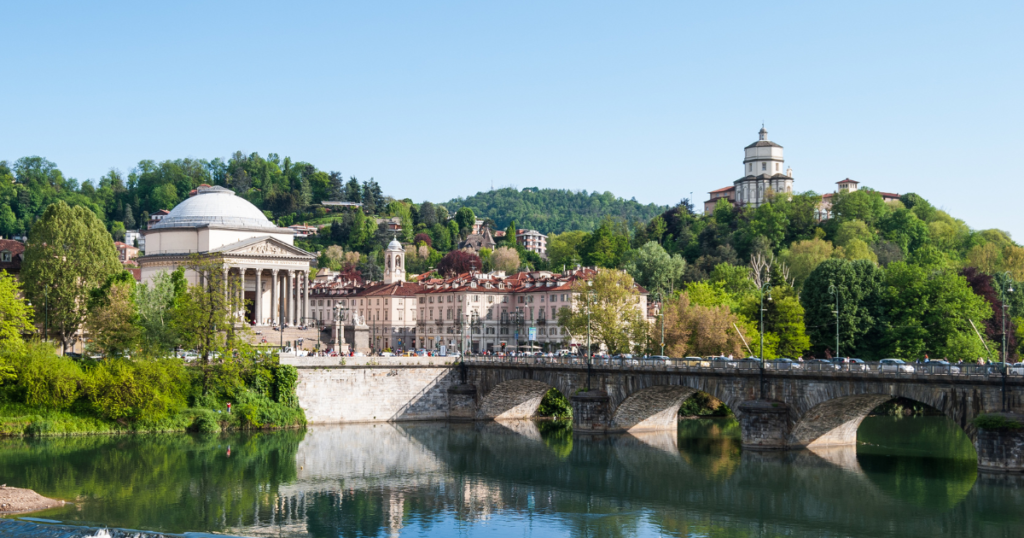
<point x="752" y="366"/>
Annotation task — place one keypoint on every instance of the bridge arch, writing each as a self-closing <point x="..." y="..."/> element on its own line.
<point x="824" y="418"/>
<point x="513" y="400"/>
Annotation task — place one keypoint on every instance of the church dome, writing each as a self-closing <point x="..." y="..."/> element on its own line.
<point x="395" y="244"/>
<point x="215" y="206"/>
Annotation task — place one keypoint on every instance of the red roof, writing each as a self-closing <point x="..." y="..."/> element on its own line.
<point x="847" y="180"/>
<point x="724" y="189"/>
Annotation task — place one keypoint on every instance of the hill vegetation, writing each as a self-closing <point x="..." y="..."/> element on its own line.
<point x="554" y="210"/>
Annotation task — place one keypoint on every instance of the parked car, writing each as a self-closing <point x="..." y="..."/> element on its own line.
<point x="721" y="362"/>
<point x="822" y="364"/>
<point x="785" y="364"/>
<point x="939" y="367"/>
<point x="895" y="365"/>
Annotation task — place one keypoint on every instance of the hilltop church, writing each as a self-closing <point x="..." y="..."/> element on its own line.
<point x="763" y="167"/>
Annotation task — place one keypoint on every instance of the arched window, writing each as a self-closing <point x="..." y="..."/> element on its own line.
<point x="5" y="256"/>
<point x="398" y="262"/>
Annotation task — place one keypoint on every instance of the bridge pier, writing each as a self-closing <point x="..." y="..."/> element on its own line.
<point x="1001" y="450"/>
<point x="764" y="425"/>
<point x="462" y="402"/>
<point x="591" y="412"/>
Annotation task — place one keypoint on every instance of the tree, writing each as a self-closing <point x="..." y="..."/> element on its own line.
<point x="655" y="270"/>
<point x="615" y="318"/>
<point x="113" y="317"/>
<point x="859" y="287"/>
<point x="352" y="191"/>
<point x="853" y="229"/>
<point x="423" y="238"/>
<point x="155" y="308"/>
<point x="564" y="249"/>
<point x="856" y="249"/>
<point x="863" y="204"/>
<point x="505" y="259"/>
<point x="804" y="256"/>
<point x="457" y="262"/>
<point x="605" y="246"/>
<point x="15" y="316"/>
<point x="441" y="236"/>
<point x="69" y="253"/>
<point x="465" y="219"/>
<point x="129" y="219"/>
<point x="206" y="315"/>
<point x="768" y="222"/>
<point x="905" y="229"/>
<point x="454" y="233"/>
<point x="697" y="330"/>
<point x="427" y="214"/>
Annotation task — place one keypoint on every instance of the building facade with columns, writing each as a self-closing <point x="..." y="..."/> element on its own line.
<point x="273" y="272"/>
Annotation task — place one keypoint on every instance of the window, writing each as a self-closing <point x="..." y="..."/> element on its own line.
<point x="490" y="299"/>
<point x="764" y="166"/>
<point x="476" y="298"/>
<point x="431" y="313"/>
<point x="504" y="299"/>
<point x="554" y="298"/>
<point x="554" y="312"/>
<point x="451" y="298"/>
<point x="750" y="167"/>
<point x="460" y="298"/>
<point x="776" y="167"/>
<point x="423" y="300"/>
<point x="521" y="299"/>
<point x="360" y="302"/>
<point x="431" y="300"/>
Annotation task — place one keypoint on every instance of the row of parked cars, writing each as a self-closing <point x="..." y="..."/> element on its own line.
<point x="853" y="365"/>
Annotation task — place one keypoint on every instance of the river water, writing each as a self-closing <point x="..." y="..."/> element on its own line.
<point x="912" y="476"/>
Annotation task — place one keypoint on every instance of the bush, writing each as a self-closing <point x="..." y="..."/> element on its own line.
<point x="554" y="405"/>
<point x="996" y="423"/>
<point x="255" y="411"/>
<point x="122" y="389"/>
<point x="45" y="379"/>
<point x="39" y="426"/>
<point x="205" y="422"/>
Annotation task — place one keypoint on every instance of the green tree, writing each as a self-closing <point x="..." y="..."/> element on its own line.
<point x="905" y="229"/>
<point x="15" y="316"/>
<point x="441" y="238"/>
<point x="68" y="254"/>
<point x="652" y="267"/>
<point x="858" y="285"/>
<point x="465" y="218"/>
<point x="853" y="229"/>
<point x="113" y="318"/>
<point x="205" y="315"/>
<point x="768" y="222"/>
<point x="564" y="249"/>
<point x="863" y="204"/>
<point x="605" y="246"/>
<point x="155" y="308"/>
<point x="803" y="257"/>
<point x="615" y="319"/>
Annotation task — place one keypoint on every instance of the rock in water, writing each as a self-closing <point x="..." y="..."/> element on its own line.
<point x="18" y="500"/>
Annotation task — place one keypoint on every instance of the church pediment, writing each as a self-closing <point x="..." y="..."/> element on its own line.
<point x="264" y="246"/>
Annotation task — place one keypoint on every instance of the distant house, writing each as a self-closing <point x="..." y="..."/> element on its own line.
<point x="126" y="253"/>
<point x="135" y="239"/>
<point x="158" y="216"/>
<point x="12" y="254"/>
<point x="302" y="230"/>
<point x="533" y="241"/>
<point x="478" y="241"/>
<point x="392" y="225"/>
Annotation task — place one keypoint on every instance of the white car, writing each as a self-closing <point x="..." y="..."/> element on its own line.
<point x="895" y="365"/>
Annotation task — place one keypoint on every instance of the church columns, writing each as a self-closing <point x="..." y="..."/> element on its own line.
<point x="257" y="307"/>
<point x="306" y="311"/>
<point x="274" y="299"/>
<point x="288" y="297"/>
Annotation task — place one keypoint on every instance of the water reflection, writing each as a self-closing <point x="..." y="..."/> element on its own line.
<point x="429" y="479"/>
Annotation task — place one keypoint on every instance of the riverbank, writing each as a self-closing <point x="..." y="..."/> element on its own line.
<point x="19" y="501"/>
<point x="19" y="420"/>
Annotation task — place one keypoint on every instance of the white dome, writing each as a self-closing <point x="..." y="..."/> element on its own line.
<point x="395" y="244"/>
<point x="215" y="206"/>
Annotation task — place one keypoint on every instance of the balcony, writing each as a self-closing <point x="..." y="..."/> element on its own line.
<point x="542" y="321"/>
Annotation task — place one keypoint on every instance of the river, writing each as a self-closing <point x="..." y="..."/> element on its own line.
<point x="909" y="476"/>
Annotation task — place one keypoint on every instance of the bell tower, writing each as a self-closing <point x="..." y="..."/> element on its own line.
<point x="394" y="262"/>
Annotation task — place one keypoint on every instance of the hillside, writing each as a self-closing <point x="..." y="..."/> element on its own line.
<point x="553" y="210"/>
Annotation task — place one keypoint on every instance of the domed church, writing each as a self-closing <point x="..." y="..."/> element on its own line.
<point x="273" y="271"/>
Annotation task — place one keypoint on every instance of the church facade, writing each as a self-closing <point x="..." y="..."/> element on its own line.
<point x="272" y="271"/>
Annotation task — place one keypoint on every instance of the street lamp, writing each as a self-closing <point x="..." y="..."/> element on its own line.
<point x="1009" y="289"/>
<point x="590" y="356"/>
<point x="766" y="283"/>
<point x="661" y="313"/>
<point x="832" y="290"/>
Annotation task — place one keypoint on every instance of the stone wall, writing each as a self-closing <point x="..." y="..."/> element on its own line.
<point x="374" y="393"/>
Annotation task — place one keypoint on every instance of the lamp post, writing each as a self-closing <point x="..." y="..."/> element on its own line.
<point x="590" y="356"/>
<point x="334" y="321"/>
<point x="766" y="283"/>
<point x="832" y="290"/>
<point x="1008" y="289"/>
<point x="661" y="314"/>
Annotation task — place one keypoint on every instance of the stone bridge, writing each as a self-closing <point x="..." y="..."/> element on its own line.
<point x="796" y="409"/>
<point x="776" y="409"/>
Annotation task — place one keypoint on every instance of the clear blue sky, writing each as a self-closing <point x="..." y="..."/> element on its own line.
<point x="440" y="99"/>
